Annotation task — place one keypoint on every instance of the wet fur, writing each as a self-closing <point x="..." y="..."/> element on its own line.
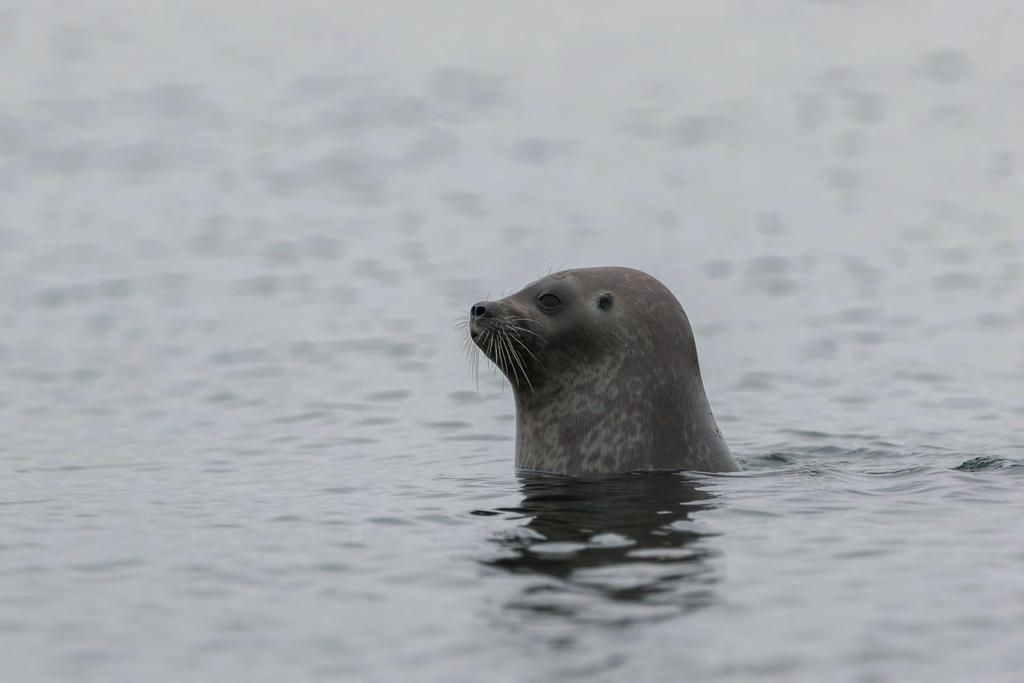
<point x="603" y="391"/>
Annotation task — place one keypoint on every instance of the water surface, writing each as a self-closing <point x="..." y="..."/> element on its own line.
<point x="238" y="435"/>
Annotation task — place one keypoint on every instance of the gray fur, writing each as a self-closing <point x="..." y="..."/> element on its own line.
<point x="602" y="391"/>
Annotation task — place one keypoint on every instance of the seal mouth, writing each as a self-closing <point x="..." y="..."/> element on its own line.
<point x="479" y="326"/>
<point x="505" y="343"/>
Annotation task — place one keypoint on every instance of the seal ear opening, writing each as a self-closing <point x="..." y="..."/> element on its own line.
<point x="604" y="302"/>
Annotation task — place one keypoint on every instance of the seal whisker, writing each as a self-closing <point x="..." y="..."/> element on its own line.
<point x="509" y="359"/>
<point x="517" y="360"/>
<point x="503" y="354"/>
<point x="526" y="348"/>
<point x="505" y="366"/>
<point x="467" y="341"/>
<point x="490" y="350"/>
<point x="515" y="330"/>
<point x="520" y="328"/>
<point x="500" y="346"/>
<point x="475" y="366"/>
<point x="472" y="353"/>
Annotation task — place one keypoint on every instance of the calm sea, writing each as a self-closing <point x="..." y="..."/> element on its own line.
<point x="238" y="436"/>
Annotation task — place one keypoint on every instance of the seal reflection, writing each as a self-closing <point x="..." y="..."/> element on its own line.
<point x="613" y="550"/>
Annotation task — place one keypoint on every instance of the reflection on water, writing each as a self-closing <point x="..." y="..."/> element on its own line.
<point x="601" y="548"/>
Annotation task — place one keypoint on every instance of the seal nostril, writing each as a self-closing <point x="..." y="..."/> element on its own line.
<point x="477" y="311"/>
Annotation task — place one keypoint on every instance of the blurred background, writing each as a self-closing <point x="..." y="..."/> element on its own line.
<point x="238" y="432"/>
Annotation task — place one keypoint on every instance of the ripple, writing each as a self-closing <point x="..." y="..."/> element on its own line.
<point x="469" y="90"/>
<point x="389" y="396"/>
<point x="478" y="437"/>
<point x="539" y="151"/>
<point x="987" y="462"/>
<point x="957" y="280"/>
<point x="557" y="549"/>
<point x="468" y="204"/>
<point x="448" y="425"/>
<point x="286" y="519"/>
<point x="106" y="566"/>
<point x="945" y="66"/>
<point x="301" y="417"/>
<point x="467" y="397"/>
<point x="375" y="346"/>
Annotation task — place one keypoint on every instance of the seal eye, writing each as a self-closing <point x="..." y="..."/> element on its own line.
<point x="549" y="301"/>
<point x="604" y="302"/>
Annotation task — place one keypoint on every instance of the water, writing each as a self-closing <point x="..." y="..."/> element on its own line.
<point x="238" y="436"/>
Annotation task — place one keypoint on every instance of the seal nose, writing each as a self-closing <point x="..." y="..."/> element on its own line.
<point x="484" y="309"/>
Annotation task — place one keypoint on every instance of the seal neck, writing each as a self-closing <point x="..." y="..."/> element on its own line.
<point x="617" y="418"/>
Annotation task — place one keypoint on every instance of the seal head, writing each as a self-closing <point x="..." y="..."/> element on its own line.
<point x="604" y="370"/>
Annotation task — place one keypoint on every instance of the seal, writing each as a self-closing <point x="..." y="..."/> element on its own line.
<point x="603" y="366"/>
